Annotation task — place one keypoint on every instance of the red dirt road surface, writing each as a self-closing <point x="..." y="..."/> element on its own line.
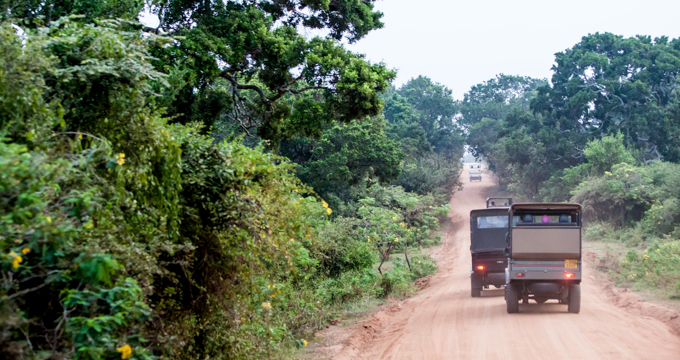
<point x="444" y="322"/>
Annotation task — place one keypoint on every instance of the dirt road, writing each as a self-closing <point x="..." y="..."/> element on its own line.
<point x="444" y="322"/>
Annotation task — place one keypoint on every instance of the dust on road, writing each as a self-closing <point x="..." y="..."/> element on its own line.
<point x="444" y="322"/>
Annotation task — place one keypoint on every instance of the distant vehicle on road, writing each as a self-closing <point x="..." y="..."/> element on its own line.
<point x="475" y="175"/>
<point x="487" y="244"/>
<point x="544" y="250"/>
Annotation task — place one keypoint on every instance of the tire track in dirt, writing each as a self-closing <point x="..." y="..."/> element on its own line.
<point x="444" y="322"/>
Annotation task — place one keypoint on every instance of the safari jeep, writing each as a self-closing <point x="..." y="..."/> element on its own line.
<point x="487" y="244"/>
<point x="544" y="255"/>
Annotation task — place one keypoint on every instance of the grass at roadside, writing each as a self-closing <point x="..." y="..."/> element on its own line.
<point x="647" y="265"/>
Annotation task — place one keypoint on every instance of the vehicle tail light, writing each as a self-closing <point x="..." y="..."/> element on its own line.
<point x="519" y="274"/>
<point x="480" y="267"/>
<point x="570" y="275"/>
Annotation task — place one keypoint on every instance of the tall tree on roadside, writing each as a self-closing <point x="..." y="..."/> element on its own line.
<point x="607" y="83"/>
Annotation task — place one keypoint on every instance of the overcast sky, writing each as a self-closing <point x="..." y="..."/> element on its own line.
<point x="462" y="43"/>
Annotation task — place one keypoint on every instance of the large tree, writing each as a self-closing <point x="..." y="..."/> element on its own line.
<point x="607" y="83"/>
<point x="246" y="63"/>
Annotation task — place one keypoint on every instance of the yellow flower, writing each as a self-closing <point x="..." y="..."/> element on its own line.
<point x="658" y="250"/>
<point x="25" y="251"/>
<point x="80" y="136"/>
<point x="396" y="239"/>
<point x="261" y="235"/>
<point x="435" y="221"/>
<point x="266" y="304"/>
<point x="125" y="351"/>
<point x="269" y="286"/>
<point x="307" y="236"/>
<point x="291" y="240"/>
<point x="394" y="218"/>
<point x="120" y="159"/>
<point x="329" y="211"/>
<point x="661" y="207"/>
<point x="645" y="256"/>
<point x="402" y="224"/>
<point x="88" y="225"/>
<point x="304" y="342"/>
<point x="409" y="230"/>
<point x="430" y="207"/>
<point x="16" y="261"/>
<point x="647" y="272"/>
<point x="49" y="219"/>
<point x="324" y="204"/>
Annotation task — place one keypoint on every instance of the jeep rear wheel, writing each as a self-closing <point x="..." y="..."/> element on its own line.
<point x="512" y="298"/>
<point x="574" y="304"/>
<point x="475" y="285"/>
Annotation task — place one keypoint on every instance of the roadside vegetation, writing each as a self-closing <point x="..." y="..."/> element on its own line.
<point x="218" y="187"/>
<point x="602" y="133"/>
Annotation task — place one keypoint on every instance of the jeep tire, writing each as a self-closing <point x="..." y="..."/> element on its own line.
<point x="512" y="297"/>
<point x="475" y="285"/>
<point x="574" y="302"/>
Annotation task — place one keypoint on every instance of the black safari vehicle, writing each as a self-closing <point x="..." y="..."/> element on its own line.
<point x="487" y="244"/>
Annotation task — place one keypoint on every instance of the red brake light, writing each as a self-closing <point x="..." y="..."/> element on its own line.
<point x="570" y="275"/>
<point x="519" y="274"/>
<point x="480" y="267"/>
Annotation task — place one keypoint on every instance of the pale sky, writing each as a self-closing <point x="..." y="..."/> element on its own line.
<point x="462" y="43"/>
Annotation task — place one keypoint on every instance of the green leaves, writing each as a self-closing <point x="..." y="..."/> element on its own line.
<point x="276" y="82"/>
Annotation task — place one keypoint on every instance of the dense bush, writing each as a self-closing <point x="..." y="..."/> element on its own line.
<point x="657" y="268"/>
<point x="124" y="236"/>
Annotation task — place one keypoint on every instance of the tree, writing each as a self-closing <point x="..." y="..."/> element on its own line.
<point x="245" y="63"/>
<point x="348" y="156"/>
<point x="607" y="83"/>
<point x="435" y="110"/>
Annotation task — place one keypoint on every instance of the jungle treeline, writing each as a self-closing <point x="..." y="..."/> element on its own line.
<point x="219" y="186"/>
<point x="603" y="132"/>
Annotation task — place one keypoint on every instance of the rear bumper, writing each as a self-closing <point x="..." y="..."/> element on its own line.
<point x="543" y="270"/>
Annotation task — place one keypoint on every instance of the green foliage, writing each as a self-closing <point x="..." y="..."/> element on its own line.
<point x="391" y="215"/>
<point x="431" y="174"/>
<point x="600" y="156"/>
<point x="124" y="236"/>
<point x="420" y="116"/>
<point x="348" y="156"/>
<point x="620" y="195"/>
<point x="608" y="83"/>
<point x="657" y="268"/>
<point x="398" y="281"/>
<point x="246" y="65"/>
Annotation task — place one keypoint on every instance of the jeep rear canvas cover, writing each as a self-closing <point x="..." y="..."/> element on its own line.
<point x="549" y="231"/>
<point x="487" y="229"/>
